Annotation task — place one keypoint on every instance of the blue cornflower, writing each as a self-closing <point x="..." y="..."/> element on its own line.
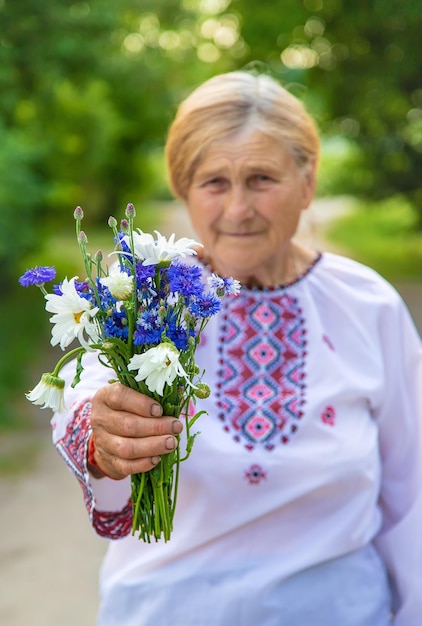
<point x="107" y="301"/>
<point x="144" y="336"/>
<point x="37" y="276"/>
<point x="82" y="288"/>
<point x="144" y="272"/>
<point x="185" y="279"/>
<point x="116" y="325"/>
<point x="205" y="305"/>
<point x="178" y="335"/>
<point x="149" y="319"/>
<point x="149" y="327"/>
<point x="177" y="331"/>
<point x="223" y="285"/>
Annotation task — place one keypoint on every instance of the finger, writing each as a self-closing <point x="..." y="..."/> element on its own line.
<point x="119" y="457"/>
<point x="118" y="468"/>
<point x="129" y="449"/>
<point x="139" y="466"/>
<point x="129" y="425"/>
<point x="119" y="397"/>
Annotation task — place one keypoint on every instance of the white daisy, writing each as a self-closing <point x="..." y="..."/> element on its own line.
<point x="158" y="366"/>
<point x="120" y="284"/>
<point x="49" y="393"/>
<point x="72" y="316"/>
<point x="151" y="251"/>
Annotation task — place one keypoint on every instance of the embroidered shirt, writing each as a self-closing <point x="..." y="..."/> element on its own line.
<point x="311" y="449"/>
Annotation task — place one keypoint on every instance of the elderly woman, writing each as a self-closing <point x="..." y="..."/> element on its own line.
<point x="301" y="503"/>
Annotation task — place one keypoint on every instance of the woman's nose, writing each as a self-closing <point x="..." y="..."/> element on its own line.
<point x="238" y="204"/>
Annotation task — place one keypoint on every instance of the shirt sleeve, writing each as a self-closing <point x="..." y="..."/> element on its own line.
<point x="107" y="501"/>
<point x="399" y="416"/>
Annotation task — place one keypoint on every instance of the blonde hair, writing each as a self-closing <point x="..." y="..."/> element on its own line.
<point x="226" y="104"/>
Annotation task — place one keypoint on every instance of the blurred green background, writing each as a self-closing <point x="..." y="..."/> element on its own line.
<point x="88" y="89"/>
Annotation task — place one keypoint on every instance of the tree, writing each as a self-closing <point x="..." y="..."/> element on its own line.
<point x="357" y="64"/>
<point x="87" y="90"/>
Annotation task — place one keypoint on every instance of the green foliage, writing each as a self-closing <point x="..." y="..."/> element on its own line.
<point x="87" y="90"/>
<point x="20" y="194"/>
<point x="342" y="169"/>
<point x="382" y="235"/>
<point x="22" y="329"/>
<point x="356" y="64"/>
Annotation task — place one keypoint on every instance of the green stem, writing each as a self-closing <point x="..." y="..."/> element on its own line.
<point x="158" y="503"/>
<point x="138" y="504"/>
<point x="132" y="315"/>
<point x="176" y="483"/>
<point x="88" y="269"/>
<point x="65" y="358"/>
<point x="131" y="328"/>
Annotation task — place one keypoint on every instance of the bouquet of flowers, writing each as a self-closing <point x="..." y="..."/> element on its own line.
<point x="144" y="317"/>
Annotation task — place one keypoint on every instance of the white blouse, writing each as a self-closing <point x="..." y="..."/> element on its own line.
<point x="311" y="449"/>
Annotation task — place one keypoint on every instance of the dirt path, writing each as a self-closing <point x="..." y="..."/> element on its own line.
<point x="49" y="557"/>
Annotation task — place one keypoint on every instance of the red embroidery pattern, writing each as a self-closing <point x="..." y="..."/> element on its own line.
<point x="72" y="447"/>
<point x="328" y="342"/>
<point x="255" y="474"/>
<point x="113" y="525"/>
<point x="261" y="388"/>
<point x="328" y="416"/>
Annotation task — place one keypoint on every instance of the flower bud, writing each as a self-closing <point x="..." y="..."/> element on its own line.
<point x="99" y="256"/>
<point x="124" y="226"/>
<point x="82" y="238"/>
<point x="112" y="222"/>
<point x="202" y="391"/>
<point x="130" y="211"/>
<point x="78" y="214"/>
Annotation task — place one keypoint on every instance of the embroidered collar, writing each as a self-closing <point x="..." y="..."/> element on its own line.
<point x="264" y="288"/>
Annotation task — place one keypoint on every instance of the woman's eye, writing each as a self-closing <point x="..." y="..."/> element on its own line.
<point x="216" y="182"/>
<point x="259" y="179"/>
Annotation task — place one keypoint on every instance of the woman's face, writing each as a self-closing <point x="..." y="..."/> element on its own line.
<point x="245" y="202"/>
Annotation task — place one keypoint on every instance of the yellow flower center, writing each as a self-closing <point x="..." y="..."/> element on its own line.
<point x="77" y="316"/>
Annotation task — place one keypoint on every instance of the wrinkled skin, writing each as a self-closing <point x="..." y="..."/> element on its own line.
<point x="130" y="432"/>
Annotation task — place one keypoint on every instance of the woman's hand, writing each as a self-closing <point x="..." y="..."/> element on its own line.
<point x="129" y="431"/>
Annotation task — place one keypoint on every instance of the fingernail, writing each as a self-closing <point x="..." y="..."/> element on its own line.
<point x="155" y="460"/>
<point x="176" y="427"/>
<point x="171" y="443"/>
<point x="156" y="410"/>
